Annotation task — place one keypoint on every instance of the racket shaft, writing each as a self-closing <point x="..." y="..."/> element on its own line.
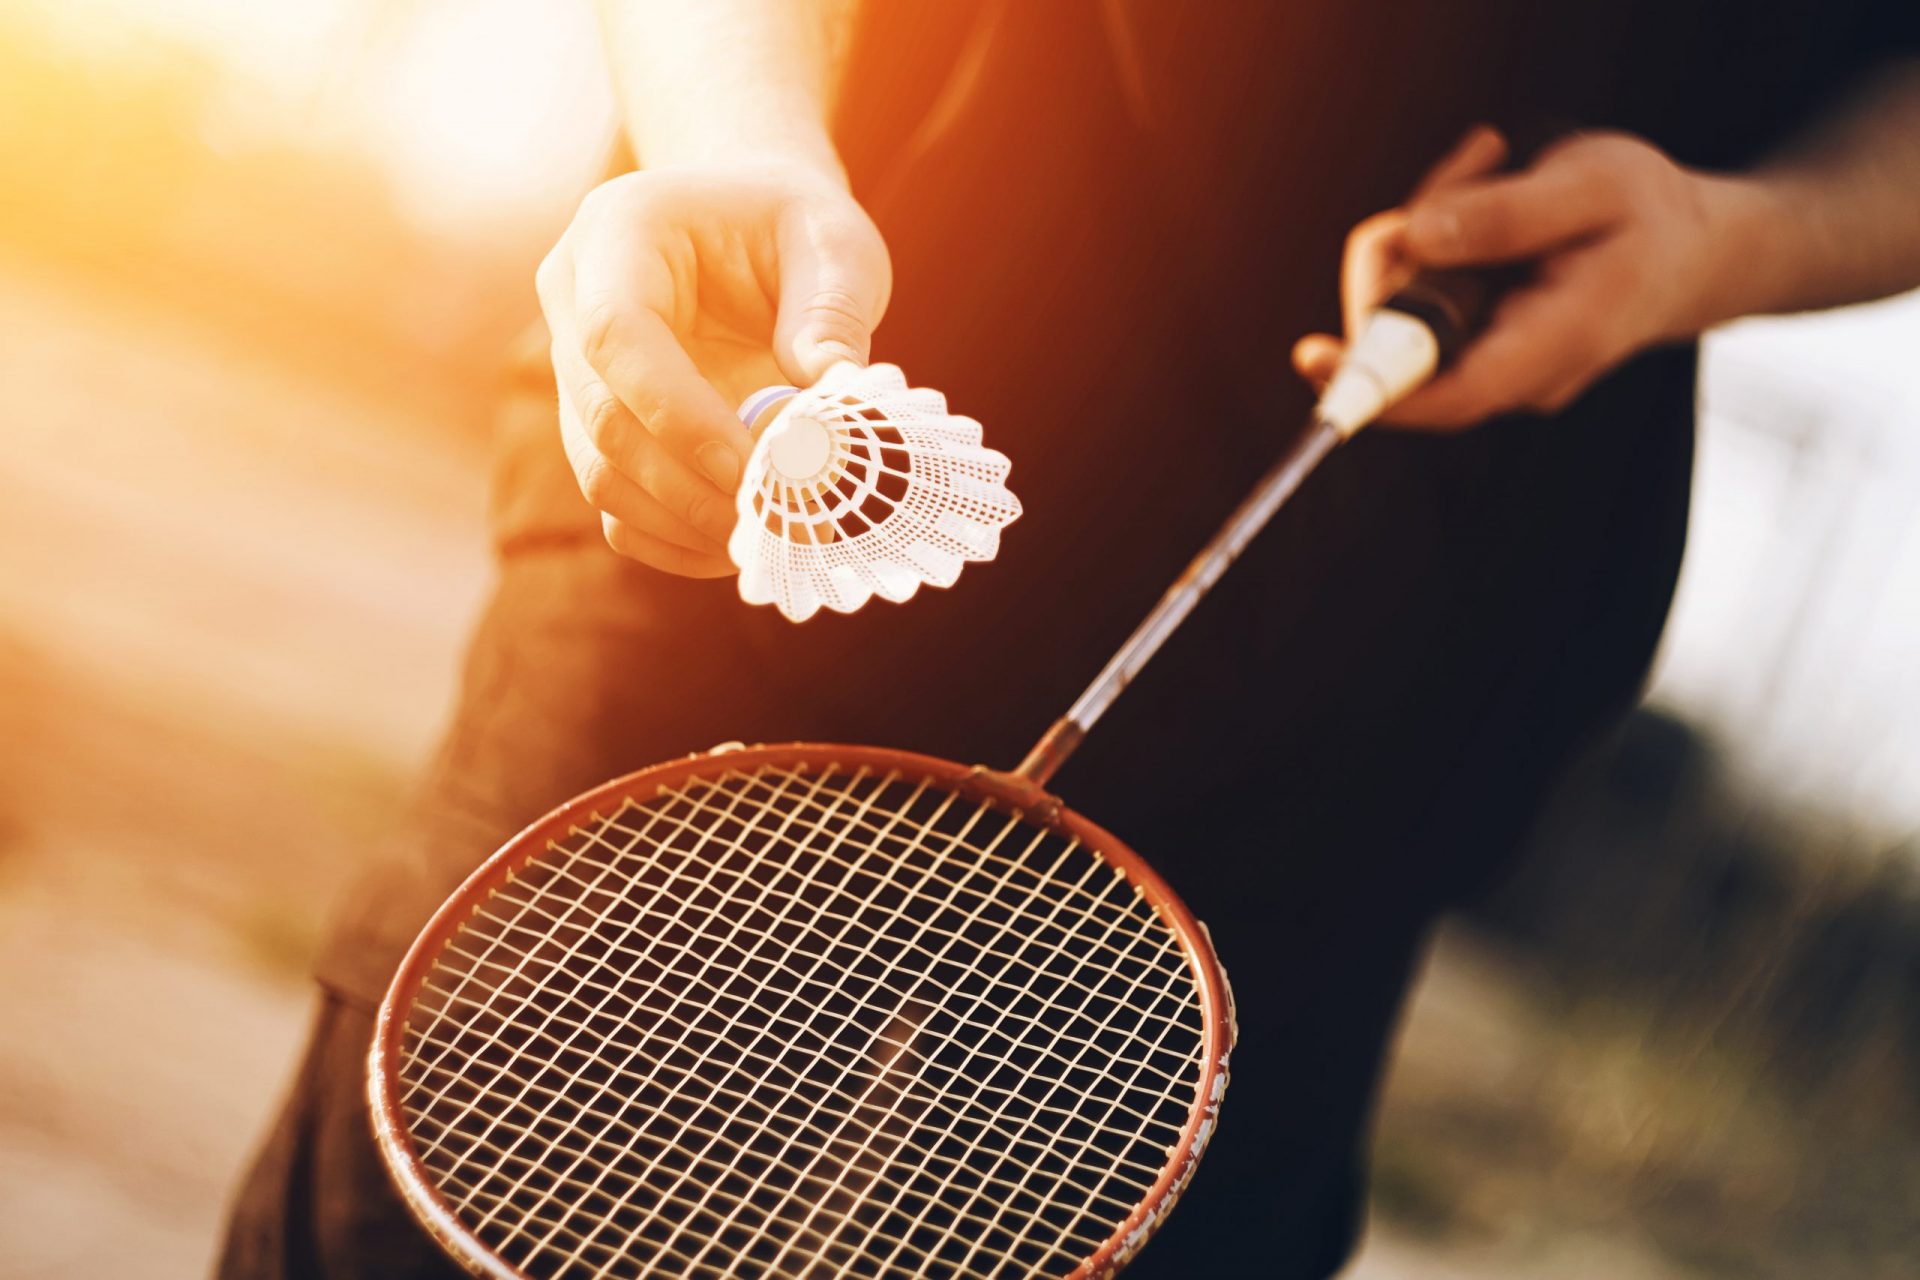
<point x="1246" y="522"/>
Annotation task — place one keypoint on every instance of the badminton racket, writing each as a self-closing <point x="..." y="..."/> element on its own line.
<point x="816" y="1011"/>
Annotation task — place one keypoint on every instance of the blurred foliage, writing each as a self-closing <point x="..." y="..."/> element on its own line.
<point x="1795" y="929"/>
<point x="1717" y="1039"/>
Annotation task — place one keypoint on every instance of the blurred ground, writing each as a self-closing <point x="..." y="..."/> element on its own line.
<point x="244" y="359"/>
<point x="230" y="603"/>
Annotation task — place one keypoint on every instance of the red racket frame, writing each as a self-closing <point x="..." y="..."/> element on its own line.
<point x="1007" y="790"/>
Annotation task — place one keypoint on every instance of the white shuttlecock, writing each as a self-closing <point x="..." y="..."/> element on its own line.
<point x="863" y="487"/>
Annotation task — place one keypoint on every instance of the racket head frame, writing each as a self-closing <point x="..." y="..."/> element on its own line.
<point x="1008" y="791"/>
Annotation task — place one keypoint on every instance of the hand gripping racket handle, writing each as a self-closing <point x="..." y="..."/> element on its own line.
<point x="1403" y="342"/>
<point x="1423" y="326"/>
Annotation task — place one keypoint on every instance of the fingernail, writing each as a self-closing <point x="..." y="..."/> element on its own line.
<point x="840" y="350"/>
<point x="721" y="464"/>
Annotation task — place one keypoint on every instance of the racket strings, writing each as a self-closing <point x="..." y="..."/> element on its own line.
<point x="803" y="1023"/>
<point x="1065" y="1114"/>
<point x="548" y="924"/>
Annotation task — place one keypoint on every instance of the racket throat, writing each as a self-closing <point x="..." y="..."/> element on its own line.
<point x="1060" y="740"/>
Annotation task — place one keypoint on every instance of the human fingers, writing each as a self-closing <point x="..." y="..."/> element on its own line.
<point x="1374" y="262"/>
<point x="1544" y="345"/>
<point x="619" y="497"/>
<point x="669" y="557"/>
<point x="625" y="297"/>
<point x="1316" y="357"/>
<point x="1571" y="193"/>
<point x="834" y="284"/>
<point x="617" y="437"/>
<point x="1481" y="150"/>
<point x="1372" y="266"/>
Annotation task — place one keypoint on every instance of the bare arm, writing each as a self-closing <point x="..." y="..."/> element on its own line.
<point x="732" y="259"/>
<point x="1630" y="249"/>
<point x="702" y="81"/>
<point x="1843" y="206"/>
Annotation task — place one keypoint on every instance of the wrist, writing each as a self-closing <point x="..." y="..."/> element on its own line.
<point x="1756" y="232"/>
<point x="777" y="144"/>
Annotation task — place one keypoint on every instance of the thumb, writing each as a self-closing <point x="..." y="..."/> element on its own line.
<point x="833" y="289"/>
<point x="1316" y="358"/>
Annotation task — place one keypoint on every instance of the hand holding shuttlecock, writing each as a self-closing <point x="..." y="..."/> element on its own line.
<point x="862" y="486"/>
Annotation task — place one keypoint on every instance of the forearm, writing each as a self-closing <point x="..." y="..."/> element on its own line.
<point x="707" y="80"/>
<point x="1836" y="218"/>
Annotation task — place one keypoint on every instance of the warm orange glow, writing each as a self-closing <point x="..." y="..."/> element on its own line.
<point x="259" y="261"/>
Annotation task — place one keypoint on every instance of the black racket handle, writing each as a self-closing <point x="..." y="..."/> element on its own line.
<point x="1456" y="304"/>
<point x="1425" y="324"/>
<point x="1453" y="305"/>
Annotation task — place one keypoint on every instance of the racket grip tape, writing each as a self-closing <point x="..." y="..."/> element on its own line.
<point x="1407" y="339"/>
<point x="1424" y="325"/>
